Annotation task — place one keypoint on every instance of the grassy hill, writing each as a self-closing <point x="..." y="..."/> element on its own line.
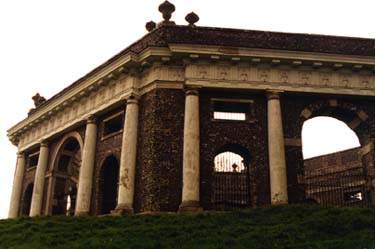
<point x="268" y="227"/>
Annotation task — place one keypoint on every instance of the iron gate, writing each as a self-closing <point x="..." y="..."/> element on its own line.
<point x="231" y="186"/>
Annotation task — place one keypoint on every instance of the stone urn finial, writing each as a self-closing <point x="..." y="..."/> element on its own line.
<point x="192" y="18"/>
<point x="167" y="9"/>
<point x="150" y="26"/>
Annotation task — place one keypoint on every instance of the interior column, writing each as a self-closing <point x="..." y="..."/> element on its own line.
<point x="190" y="171"/>
<point x="37" y="198"/>
<point x="276" y="150"/>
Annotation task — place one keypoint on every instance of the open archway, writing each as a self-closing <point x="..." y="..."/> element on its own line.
<point x="231" y="183"/>
<point x="334" y="173"/>
<point x="26" y="202"/>
<point x="67" y="166"/>
<point x="324" y="135"/>
<point x="108" y="185"/>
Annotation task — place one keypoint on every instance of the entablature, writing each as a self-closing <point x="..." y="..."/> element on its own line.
<point x="182" y="65"/>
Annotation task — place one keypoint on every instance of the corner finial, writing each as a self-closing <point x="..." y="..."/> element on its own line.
<point x="167" y="9"/>
<point x="38" y="100"/>
<point x="150" y="26"/>
<point x="192" y="18"/>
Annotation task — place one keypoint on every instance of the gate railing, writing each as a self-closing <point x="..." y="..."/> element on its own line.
<point x="231" y="190"/>
<point x="338" y="189"/>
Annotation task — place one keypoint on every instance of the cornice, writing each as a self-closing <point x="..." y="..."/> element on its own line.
<point x="256" y="55"/>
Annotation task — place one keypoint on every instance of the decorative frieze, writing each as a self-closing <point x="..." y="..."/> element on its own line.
<point x="291" y="77"/>
<point x="162" y="73"/>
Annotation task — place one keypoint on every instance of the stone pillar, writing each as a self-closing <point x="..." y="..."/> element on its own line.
<point x="50" y="192"/>
<point x="87" y="169"/>
<point x="17" y="186"/>
<point x="37" y="198"/>
<point x="276" y="150"/>
<point x="190" y="171"/>
<point x="128" y="159"/>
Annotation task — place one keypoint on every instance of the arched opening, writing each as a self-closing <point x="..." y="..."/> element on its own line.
<point x="324" y="135"/>
<point x="68" y="163"/>
<point x="26" y="203"/>
<point x="231" y="185"/>
<point x="108" y="185"/>
<point x="334" y="173"/>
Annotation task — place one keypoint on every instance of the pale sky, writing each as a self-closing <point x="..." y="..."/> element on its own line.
<point x="46" y="45"/>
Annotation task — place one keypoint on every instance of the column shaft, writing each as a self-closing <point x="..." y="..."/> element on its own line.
<point x="128" y="159"/>
<point x="87" y="169"/>
<point x="276" y="151"/>
<point x="37" y="198"/>
<point x="190" y="171"/>
<point x="17" y="186"/>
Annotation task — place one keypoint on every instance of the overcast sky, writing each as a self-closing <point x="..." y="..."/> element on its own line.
<point x="45" y="45"/>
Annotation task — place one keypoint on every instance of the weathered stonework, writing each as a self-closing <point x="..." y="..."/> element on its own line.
<point x="158" y="181"/>
<point x="158" y="86"/>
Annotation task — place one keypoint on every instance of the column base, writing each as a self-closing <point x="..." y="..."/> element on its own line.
<point x="122" y="209"/>
<point x="279" y="199"/>
<point x="81" y="213"/>
<point x="189" y="207"/>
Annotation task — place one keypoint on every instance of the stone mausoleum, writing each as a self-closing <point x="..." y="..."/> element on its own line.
<point x="193" y="118"/>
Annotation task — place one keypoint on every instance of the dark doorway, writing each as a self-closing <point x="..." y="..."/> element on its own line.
<point x="26" y="204"/>
<point x="109" y="185"/>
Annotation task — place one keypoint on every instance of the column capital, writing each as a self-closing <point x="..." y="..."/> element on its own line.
<point x="191" y="91"/>
<point x="20" y="154"/>
<point x="132" y="99"/>
<point x="43" y="143"/>
<point x="273" y="94"/>
<point x="91" y="119"/>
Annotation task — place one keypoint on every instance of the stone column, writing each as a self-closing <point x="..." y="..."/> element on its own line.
<point x="50" y="192"/>
<point x="276" y="150"/>
<point x="190" y="171"/>
<point x="128" y="159"/>
<point x="37" y="198"/>
<point x="87" y="169"/>
<point x="17" y="186"/>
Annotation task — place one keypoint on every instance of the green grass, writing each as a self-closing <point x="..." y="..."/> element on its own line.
<point x="269" y="227"/>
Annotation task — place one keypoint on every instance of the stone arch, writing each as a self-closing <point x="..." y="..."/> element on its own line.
<point x="352" y="114"/>
<point x="26" y="199"/>
<point x="346" y="112"/>
<point x="108" y="184"/>
<point x="66" y="165"/>
<point x="70" y="135"/>
<point x="237" y="149"/>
